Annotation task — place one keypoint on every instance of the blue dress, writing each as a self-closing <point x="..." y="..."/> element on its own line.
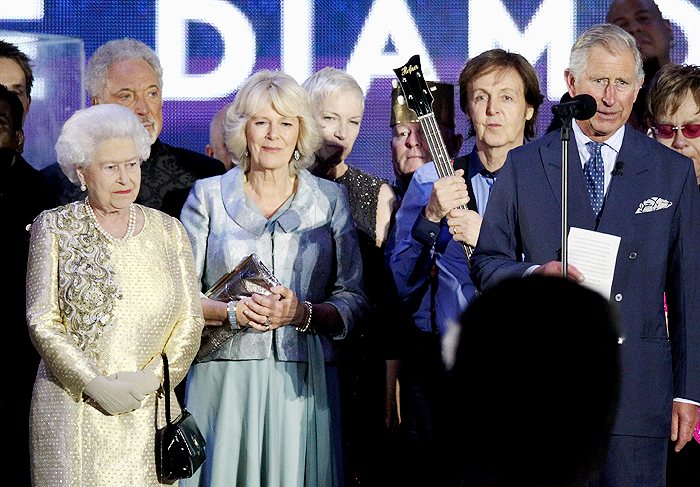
<point x="265" y="401"/>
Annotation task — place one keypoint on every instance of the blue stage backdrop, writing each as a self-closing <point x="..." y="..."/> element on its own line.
<point x="209" y="47"/>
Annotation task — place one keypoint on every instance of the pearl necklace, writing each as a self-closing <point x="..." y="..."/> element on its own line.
<point x="129" y="230"/>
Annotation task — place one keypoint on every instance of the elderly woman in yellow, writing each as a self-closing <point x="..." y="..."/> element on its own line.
<point x="110" y="285"/>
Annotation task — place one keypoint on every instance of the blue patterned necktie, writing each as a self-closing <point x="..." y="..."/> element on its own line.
<point x="594" y="171"/>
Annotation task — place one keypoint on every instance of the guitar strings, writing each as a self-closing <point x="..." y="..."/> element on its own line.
<point x="441" y="158"/>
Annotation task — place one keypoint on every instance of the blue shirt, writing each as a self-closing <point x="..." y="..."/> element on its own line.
<point x="414" y="242"/>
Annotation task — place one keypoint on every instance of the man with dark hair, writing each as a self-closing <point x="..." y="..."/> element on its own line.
<point x="16" y="73"/>
<point x="620" y="183"/>
<point x="499" y="93"/>
<point x="516" y="358"/>
<point x="128" y="72"/>
<point x="18" y="180"/>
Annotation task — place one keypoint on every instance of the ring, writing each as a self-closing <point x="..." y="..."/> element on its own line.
<point x="267" y="327"/>
<point x="267" y="324"/>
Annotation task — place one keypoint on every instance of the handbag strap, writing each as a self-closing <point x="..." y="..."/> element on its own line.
<point x="166" y="386"/>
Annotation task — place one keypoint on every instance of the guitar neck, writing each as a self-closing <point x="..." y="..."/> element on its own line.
<point x="420" y="100"/>
<point x="441" y="158"/>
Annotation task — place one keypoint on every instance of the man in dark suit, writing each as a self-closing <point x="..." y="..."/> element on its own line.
<point x="624" y="184"/>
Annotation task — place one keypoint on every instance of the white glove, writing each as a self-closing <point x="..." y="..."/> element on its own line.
<point x="114" y="396"/>
<point x="144" y="380"/>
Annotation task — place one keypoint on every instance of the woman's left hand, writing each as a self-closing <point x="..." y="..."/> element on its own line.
<point x="280" y="308"/>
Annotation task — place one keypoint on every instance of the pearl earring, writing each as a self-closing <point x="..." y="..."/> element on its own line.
<point x="83" y="187"/>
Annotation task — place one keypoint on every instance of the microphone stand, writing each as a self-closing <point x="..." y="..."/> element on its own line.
<point x="565" y="137"/>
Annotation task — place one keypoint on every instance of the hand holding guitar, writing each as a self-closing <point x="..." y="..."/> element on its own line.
<point x="419" y="99"/>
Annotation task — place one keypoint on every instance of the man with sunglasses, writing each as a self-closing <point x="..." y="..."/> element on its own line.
<point x="673" y="110"/>
<point x="625" y="184"/>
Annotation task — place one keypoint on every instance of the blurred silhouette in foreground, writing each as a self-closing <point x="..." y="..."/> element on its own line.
<point x="535" y="381"/>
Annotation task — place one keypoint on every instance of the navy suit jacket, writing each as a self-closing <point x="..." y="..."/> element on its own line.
<point x="659" y="252"/>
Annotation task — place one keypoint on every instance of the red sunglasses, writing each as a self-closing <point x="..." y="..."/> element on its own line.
<point x="690" y="131"/>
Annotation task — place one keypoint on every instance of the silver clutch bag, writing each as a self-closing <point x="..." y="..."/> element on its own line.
<point x="248" y="278"/>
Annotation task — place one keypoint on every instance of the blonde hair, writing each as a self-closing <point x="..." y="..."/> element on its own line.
<point x="284" y="94"/>
<point x="669" y="88"/>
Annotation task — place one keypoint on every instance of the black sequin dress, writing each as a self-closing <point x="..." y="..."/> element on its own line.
<point x="363" y="353"/>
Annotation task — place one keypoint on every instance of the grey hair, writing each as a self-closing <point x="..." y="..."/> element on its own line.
<point x="609" y="37"/>
<point x="329" y="80"/>
<point x="86" y="129"/>
<point x="112" y="52"/>
<point x="284" y="94"/>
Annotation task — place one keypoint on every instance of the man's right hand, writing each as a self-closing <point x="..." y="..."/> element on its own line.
<point x="447" y="193"/>
<point x="554" y="269"/>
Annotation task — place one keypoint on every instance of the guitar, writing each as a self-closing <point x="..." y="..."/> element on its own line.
<point x="420" y="100"/>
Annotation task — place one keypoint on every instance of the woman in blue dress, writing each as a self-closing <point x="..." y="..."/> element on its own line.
<point x="265" y="399"/>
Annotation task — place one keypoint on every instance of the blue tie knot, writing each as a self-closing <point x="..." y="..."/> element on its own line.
<point x="594" y="148"/>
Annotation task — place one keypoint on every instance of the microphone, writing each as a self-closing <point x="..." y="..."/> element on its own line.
<point x="618" y="168"/>
<point x="582" y="107"/>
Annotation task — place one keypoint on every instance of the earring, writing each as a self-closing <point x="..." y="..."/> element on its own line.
<point x="247" y="154"/>
<point x="296" y="154"/>
<point x="83" y="187"/>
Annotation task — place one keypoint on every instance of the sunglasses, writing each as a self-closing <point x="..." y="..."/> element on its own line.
<point x="690" y="131"/>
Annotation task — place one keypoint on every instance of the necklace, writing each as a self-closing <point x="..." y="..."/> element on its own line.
<point x="129" y="230"/>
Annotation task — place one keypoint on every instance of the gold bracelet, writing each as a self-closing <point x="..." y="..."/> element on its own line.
<point x="307" y="321"/>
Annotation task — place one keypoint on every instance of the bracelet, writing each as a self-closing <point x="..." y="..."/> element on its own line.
<point x="307" y="321"/>
<point x="231" y="308"/>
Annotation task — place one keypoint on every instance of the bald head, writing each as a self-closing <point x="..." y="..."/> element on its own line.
<point x="643" y="19"/>
<point x="216" y="147"/>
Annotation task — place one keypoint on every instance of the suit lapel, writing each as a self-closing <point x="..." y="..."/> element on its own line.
<point x="580" y="211"/>
<point x="620" y="204"/>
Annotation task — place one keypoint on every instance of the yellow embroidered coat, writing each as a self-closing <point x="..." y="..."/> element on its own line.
<point x="95" y="307"/>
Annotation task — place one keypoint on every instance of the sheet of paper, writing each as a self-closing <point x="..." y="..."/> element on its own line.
<point x="594" y="254"/>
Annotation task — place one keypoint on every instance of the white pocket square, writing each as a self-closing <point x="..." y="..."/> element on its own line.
<point x="653" y="204"/>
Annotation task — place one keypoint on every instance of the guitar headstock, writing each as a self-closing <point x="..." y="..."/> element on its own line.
<point x="415" y="89"/>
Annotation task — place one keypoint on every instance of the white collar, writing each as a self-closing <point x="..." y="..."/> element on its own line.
<point x="614" y="141"/>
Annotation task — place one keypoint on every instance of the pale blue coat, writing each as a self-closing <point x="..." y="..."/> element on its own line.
<point x="311" y="248"/>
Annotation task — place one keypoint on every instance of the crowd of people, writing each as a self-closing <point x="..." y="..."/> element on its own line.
<point x="383" y="355"/>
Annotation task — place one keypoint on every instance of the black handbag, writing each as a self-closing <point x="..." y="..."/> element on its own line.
<point x="179" y="444"/>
